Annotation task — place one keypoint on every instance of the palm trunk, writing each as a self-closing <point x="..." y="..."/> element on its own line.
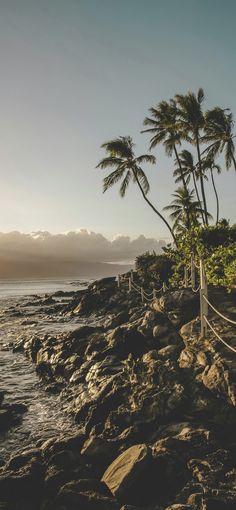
<point x="154" y="208"/>
<point x="180" y="167"/>
<point x="198" y="197"/>
<point x="201" y="180"/>
<point x="217" y="198"/>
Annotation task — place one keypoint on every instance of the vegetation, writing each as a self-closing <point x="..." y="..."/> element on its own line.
<point x="154" y="268"/>
<point x="194" y="139"/>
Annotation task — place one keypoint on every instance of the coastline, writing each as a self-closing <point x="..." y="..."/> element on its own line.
<point x="149" y="399"/>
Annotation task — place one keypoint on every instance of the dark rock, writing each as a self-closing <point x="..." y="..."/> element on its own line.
<point x="87" y="495"/>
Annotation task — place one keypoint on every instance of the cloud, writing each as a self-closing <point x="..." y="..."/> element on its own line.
<point x="77" y="246"/>
<point x="40" y="253"/>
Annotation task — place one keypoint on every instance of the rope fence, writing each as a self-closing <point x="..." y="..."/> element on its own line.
<point x="188" y="282"/>
<point x="218" y="336"/>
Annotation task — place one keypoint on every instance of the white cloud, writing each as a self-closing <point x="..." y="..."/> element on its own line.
<point x="74" y="246"/>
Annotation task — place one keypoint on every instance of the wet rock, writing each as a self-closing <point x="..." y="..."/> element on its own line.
<point x="2" y="394"/>
<point x="10" y="415"/>
<point x="70" y="443"/>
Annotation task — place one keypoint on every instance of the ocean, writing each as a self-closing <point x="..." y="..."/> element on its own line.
<point x="14" y="288"/>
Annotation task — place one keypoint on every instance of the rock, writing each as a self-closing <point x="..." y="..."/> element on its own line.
<point x="65" y="443"/>
<point x="217" y="379"/>
<point x="87" y="495"/>
<point x="18" y="461"/>
<point x="127" y="474"/>
<point x="99" y="449"/>
<point x="1" y="397"/>
<point x="183" y="303"/>
<point x="178" y="506"/>
<point x="125" y="340"/>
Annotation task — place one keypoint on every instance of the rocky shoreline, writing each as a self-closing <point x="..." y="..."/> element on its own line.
<point x="154" y="406"/>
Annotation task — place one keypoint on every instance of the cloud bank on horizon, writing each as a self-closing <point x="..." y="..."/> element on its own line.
<point x="80" y="252"/>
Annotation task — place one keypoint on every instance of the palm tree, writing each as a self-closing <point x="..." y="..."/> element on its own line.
<point x="189" y="170"/>
<point x="126" y="169"/>
<point x="185" y="210"/>
<point x="163" y="129"/>
<point x="191" y="124"/>
<point x="209" y="164"/>
<point x="218" y="131"/>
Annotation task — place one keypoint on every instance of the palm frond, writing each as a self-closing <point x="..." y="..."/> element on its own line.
<point x="112" y="179"/>
<point x="125" y="183"/>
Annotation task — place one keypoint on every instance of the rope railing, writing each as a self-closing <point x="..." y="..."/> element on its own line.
<point x="190" y="283"/>
<point x="219" y="313"/>
<point x="218" y="336"/>
<point x="145" y="296"/>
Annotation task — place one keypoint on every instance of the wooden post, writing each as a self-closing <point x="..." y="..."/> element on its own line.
<point x="142" y="295"/>
<point x="203" y="303"/>
<point x="185" y="277"/>
<point x="130" y="285"/>
<point x="164" y="287"/>
<point x="154" y="293"/>
<point x="118" y="281"/>
<point x="132" y="275"/>
<point x="193" y="272"/>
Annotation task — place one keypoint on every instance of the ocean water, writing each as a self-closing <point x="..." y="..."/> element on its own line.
<point x="14" y="288"/>
<point x="20" y="316"/>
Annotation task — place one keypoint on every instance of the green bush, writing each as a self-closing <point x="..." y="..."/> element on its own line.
<point x="154" y="268"/>
<point x="216" y="245"/>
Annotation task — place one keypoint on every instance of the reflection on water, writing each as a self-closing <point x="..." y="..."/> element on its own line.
<point x="45" y="416"/>
<point x="26" y="287"/>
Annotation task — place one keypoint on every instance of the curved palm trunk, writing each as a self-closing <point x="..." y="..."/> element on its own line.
<point x="197" y="193"/>
<point x="217" y="198"/>
<point x="180" y="167"/>
<point x="154" y="209"/>
<point x="201" y="180"/>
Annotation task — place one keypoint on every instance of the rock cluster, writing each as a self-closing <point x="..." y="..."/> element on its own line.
<point x="10" y="414"/>
<point x="154" y="405"/>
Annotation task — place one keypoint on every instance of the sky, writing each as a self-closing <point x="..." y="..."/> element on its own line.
<point x="75" y="73"/>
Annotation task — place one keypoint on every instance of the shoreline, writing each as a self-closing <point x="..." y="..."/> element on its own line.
<point x="148" y="398"/>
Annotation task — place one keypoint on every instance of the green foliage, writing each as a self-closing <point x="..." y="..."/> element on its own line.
<point x="221" y="266"/>
<point x="153" y="268"/>
<point x="216" y="245"/>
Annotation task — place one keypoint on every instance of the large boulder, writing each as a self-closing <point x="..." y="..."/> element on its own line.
<point x="181" y="306"/>
<point x="128" y="473"/>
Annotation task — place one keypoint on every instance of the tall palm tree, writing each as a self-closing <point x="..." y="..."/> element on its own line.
<point x="185" y="210"/>
<point x="189" y="170"/>
<point x="191" y="124"/>
<point x="163" y="129"/>
<point x="209" y="164"/>
<point x="219" y="132"/>
<point x="121" y="157"/>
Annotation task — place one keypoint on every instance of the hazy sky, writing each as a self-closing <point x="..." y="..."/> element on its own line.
<point x="75" y="73"/>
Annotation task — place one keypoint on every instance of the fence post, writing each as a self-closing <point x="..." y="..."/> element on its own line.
<point x="142" y="295"/>
<point x="132" y="275"/>
<point x="154" y="293"/>
<point x="164" y="287"/>
<point x="203" y="303"/>
<point x="130" y="284"/>
<point x="193" y="273"/>
<point x="185" y="277"/>
<point x="118" y="281"/>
